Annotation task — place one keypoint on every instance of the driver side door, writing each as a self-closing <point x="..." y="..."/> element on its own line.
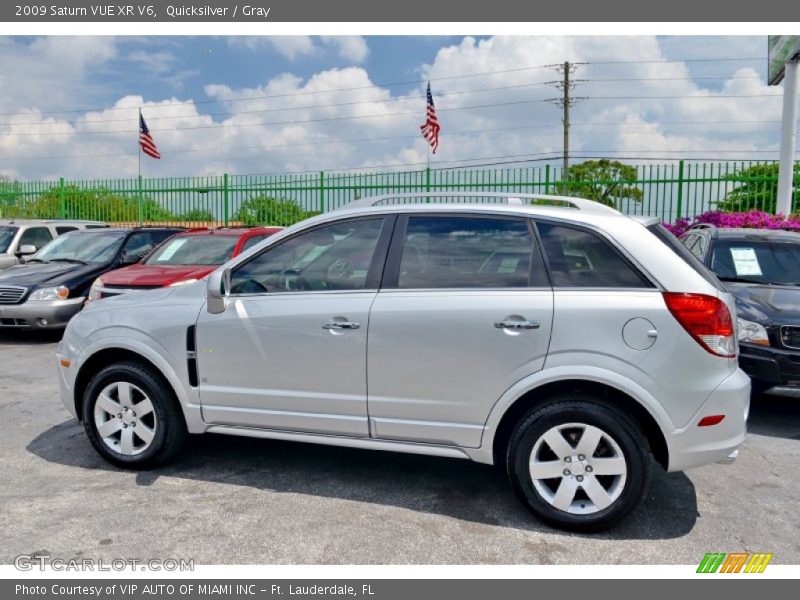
<point x="289" y="351"/>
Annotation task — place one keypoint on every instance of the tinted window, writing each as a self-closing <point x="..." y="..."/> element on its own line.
<point x="580" y="258"/>
<point x="6" y="235"/>
<point x="35" y="236"/>
<point x="61" y="229"/>
<point x="461" y="252"/>
<point x="141" y="243"/>
<point x="250" y="242"/>
<point x="335" y="257"/>
<point x="690" y="259"/>
<point x="194" y="250"/>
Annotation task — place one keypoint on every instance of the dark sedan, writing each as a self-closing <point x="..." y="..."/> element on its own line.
<point x="52" y="285"/>
<point x="761" y="267"/>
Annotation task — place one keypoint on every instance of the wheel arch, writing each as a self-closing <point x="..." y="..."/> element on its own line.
<point x="600" y="391"/>
<point x="108" y="355"/>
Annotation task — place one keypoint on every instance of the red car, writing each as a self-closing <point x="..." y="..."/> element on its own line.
<point x="182" y="259"/>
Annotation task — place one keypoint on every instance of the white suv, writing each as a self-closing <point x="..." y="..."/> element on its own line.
<point x="568" y="344"/>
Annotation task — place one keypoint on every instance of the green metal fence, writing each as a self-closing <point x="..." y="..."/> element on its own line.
<point x="669" y="191"/>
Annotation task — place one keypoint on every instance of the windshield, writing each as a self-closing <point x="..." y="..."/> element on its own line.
<point x="81" y="247"/>
<point x="757" y="261"/>
<point x="6" y="235"/>
<point x="194" y="250"/>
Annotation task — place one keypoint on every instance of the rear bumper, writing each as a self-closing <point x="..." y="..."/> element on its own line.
<point x="695" y="446"/>
<point x="772" y="367"/>
<point x="52" y="314"/>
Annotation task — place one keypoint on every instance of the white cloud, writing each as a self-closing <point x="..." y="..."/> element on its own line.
<point x="291" y="123"/>
<point x="352" y="48"/>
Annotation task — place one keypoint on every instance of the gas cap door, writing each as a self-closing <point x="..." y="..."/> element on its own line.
<point x="639" y="333"/>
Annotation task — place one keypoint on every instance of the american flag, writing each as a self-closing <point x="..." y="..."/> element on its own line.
<point x="430" y="130"/>
<point x="146" y="140"/>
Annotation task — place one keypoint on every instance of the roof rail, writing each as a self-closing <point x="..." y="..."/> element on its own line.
<point x="502" y="197"/>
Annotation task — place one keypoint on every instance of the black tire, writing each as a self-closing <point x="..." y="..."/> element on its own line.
<point x="569" y="409"/>
<point x="169" y="425"/>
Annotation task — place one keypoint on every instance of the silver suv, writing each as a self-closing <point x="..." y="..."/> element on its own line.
<point x="22" y="237"/>
<point x="569" y="345"/>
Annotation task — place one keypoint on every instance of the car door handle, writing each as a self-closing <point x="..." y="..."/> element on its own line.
<point x="517" y="324"/>
<point x="341" y="325"/>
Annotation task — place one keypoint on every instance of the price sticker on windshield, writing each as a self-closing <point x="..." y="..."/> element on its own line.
<point x="745" y="262"/>
<point x="170" y="250"/>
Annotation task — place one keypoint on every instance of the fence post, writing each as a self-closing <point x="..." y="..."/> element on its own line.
<point x="428" y="182"/>
<point x="322" y="191"/>
<point x="225" y="207"/>
<point x="62" y="200"/>
<point x="680" y="190"/>
<point x="547" y="179"/>
<point x="141" y="211"/>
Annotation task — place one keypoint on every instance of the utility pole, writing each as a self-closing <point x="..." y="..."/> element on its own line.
<point x="788" y="136"/>
<point x="566" y="101"/>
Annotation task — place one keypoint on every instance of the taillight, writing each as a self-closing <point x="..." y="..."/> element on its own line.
<point x="707" y="319"/>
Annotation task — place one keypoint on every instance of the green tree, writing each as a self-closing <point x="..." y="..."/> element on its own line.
<point x="266" y="210"/>
<point x="605" y="181"/>
<point x="100" y="204"/>
<point x="757" y="189"/>
<point x="9" y="196"/>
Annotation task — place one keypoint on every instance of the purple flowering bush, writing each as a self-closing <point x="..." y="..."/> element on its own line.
<point x="752" y="219"/>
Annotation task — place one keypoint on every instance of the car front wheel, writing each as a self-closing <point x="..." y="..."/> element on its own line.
<point x="131" y="417"/>
<point x="579" y="465"/>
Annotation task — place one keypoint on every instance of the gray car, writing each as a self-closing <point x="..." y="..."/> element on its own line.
<point x="568" y="344"/>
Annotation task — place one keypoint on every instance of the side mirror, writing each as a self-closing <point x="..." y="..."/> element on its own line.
<point x="219" y="286"/>
<point x="129" y="258"/>
<point x="26" y="249"/>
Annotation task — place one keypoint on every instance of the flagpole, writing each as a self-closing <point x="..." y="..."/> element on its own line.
<point x="139" y="184"/>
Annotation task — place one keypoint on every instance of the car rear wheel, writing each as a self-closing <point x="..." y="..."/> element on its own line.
<point x="579" y="465"/>
<point x="131" y="417"/>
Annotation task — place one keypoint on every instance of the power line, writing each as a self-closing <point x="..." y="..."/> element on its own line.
<point x="387" y="84"/>
<point x="360" y="102"/>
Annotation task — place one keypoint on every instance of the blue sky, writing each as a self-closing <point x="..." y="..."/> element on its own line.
<point x="294" y="103"/>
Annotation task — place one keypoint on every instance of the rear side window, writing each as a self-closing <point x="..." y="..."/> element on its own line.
<point x="463" y="252"/>
<point x="581" y="258"/>
<point x="61" y="229"/>
<point x="690" y="259"/>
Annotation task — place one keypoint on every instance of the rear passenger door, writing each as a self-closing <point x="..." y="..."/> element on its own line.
<point x="464" y="312"/>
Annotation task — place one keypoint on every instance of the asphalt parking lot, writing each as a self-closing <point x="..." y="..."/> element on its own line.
<point x="245" y="501"/>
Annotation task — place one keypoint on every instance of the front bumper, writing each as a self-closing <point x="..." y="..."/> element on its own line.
<point x="50" y="314"/>
<point x="773" y="367"/>
<point x="695" y="446"/>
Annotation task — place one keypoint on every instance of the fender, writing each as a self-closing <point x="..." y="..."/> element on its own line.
<point x="136" y="341"/>
<point x="556" y="374"/>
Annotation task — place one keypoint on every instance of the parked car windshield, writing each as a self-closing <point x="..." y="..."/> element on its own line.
<point x="194" y="250"/>
<point x="81" y="247"/>
<point x="776" y="262"/>
<point x="6" y="235"/>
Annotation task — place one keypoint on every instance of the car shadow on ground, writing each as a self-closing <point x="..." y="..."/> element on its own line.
<point x="451" y="487"/>
<point x="28" y="337"/>
<point x="775" y="416"/>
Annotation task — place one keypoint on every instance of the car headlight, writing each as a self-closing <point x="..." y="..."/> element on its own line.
<point x="52" y="293"/>
<point x="94" y="291"/>
<point x="182" y="282"/>
<point x="752" y="333"/>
